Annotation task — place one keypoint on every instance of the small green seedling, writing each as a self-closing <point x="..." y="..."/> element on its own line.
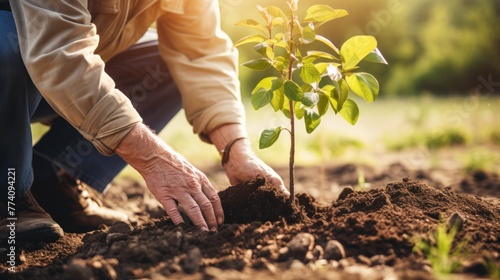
<point x="439" y="250"/>
<point x="493" y="268"/>
<point x="307" y="82"/>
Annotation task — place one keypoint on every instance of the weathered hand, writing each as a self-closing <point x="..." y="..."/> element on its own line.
<point x="172" y="179"/>
<point x="243" y="165"/>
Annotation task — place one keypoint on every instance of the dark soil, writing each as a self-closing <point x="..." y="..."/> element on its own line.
<point x="361" y="234"/>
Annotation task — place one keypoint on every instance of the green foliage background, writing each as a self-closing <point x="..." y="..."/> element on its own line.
<point x="433" y="46"/>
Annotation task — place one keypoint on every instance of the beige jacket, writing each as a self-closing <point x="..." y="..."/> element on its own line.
<point x="65" y="43"/>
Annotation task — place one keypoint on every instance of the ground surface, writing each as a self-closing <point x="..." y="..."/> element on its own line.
<point x="343" y="228"/>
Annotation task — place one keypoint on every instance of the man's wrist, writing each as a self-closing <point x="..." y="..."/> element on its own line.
<point x="230" y="139"/>
<point x="222" y="135"/>
<point x="139" y="146"/>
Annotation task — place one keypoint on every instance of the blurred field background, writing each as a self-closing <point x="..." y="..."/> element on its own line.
<point x="439" y="103"/>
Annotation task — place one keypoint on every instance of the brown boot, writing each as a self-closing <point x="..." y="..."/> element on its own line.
<point x="72" y="203"/>
<point x="27" y="221"/>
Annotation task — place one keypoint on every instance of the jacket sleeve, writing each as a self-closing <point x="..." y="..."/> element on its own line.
<point x="203" y="62"/>
<point x="57" y="42"/>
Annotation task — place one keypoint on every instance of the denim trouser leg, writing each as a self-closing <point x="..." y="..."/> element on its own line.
<point x="18" y="100"/>
<point x="141" y="74"/>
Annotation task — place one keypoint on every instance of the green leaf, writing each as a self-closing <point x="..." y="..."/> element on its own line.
<point x="350" y="111"/>
<point x="308" y="34"/>
<point x="265" y="50"/>
<point x="307" y="88"/>
<point x="256" y="38"/>
<point x="269" y="136"/>
<point x="281" y="49"/>
<point x="277" y="83"/>
<point x="312" y="120"/>
<point x="261" y="98"/>
<point x="296" y="32"/>
<point x="343" y="92"/>
<point x="333" y="96"/>
<point x="376" y="57"/>
<point x="276" y="12"/>
<point x="336" y="94"/>
<point x="328" y="43"/>
<point x="310" y="99"/>
<point x="281" y="64"/>
<point x="271" y="14"/>
<point x="263" y="91"/>
<point x="293" y="91"/>
<point x="270" y="53"/>
<point x="259" y="64"/>
<point x="286" y="107"/>
<point x="278" y="99"/>
<point x="364" y="85"/>
<point x="277" y="22"/>
<point x="309" y="74"/>
<point x="323" y="13"/>
<point x="322" y="104"/>
<point x="265" y="15"/>
<point x="299" y="110"/>
<point x="355" y="49"/>
<point x="253" y="24"/>
<point x="321" y="67"/>
<point x="320" y="54"/>
<point x="266" y="83"/>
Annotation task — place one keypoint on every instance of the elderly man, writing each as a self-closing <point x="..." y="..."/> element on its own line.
<point x="78" y="66"/>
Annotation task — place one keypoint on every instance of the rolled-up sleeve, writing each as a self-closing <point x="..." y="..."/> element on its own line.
<point x="203" y="62"/>
<point x="57" y="42"/>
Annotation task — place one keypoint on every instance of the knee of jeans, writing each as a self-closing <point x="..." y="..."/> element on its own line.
<point x="10" y="54"/>
<point x="11" y="62"/>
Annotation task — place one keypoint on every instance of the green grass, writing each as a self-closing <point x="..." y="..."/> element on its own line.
<point x="493" y="268"/>
<point x="480" y="159"/>
<point x="446" y="137"/>
<point x="493" y="136"/>
<point x="439" y="249"/>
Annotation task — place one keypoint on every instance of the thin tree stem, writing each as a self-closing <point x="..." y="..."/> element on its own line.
<point x="292" y="154"/>
<point x="292" y="118"/>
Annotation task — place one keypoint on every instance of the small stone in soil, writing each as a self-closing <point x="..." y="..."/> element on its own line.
<point x="121" y="227"/>
<point x="334" y="250"/>
<point x="455" y="220"/>
<point x="113" y="237"/>
<point x="377" y="260"/>
<point x="345" y="192"/>
<point x="318" y="252"/>
<point x="283" y="254"/>
<point x="191" y="263"/>
<point x="78" y="269"/>
<point x="301" y="244"/>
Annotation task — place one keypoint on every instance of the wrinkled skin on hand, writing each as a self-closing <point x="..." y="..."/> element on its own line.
<point x="243" y="165"/>
<point x="172" y="179"/>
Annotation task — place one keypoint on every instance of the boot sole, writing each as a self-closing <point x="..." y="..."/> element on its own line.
<point x="49" y="234"/>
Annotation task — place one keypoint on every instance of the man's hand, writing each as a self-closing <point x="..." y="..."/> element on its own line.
<point x="243" y="165"/>
<point x="172" y="179"/>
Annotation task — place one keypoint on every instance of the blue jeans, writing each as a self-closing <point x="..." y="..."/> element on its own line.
<point x="139" y="72"/>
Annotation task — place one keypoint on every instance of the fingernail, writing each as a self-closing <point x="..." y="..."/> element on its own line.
<point x="214" y="229"/>
<point x="204" y="228"/>
<point x="220" y="221"/>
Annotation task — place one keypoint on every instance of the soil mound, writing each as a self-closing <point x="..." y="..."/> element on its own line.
<point x="256" y="201"/>
<point x="263" y="231"/>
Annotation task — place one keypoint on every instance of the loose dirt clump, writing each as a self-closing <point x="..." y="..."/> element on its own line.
<point x="256" y="201"/>
<point x="360" y="234"/>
